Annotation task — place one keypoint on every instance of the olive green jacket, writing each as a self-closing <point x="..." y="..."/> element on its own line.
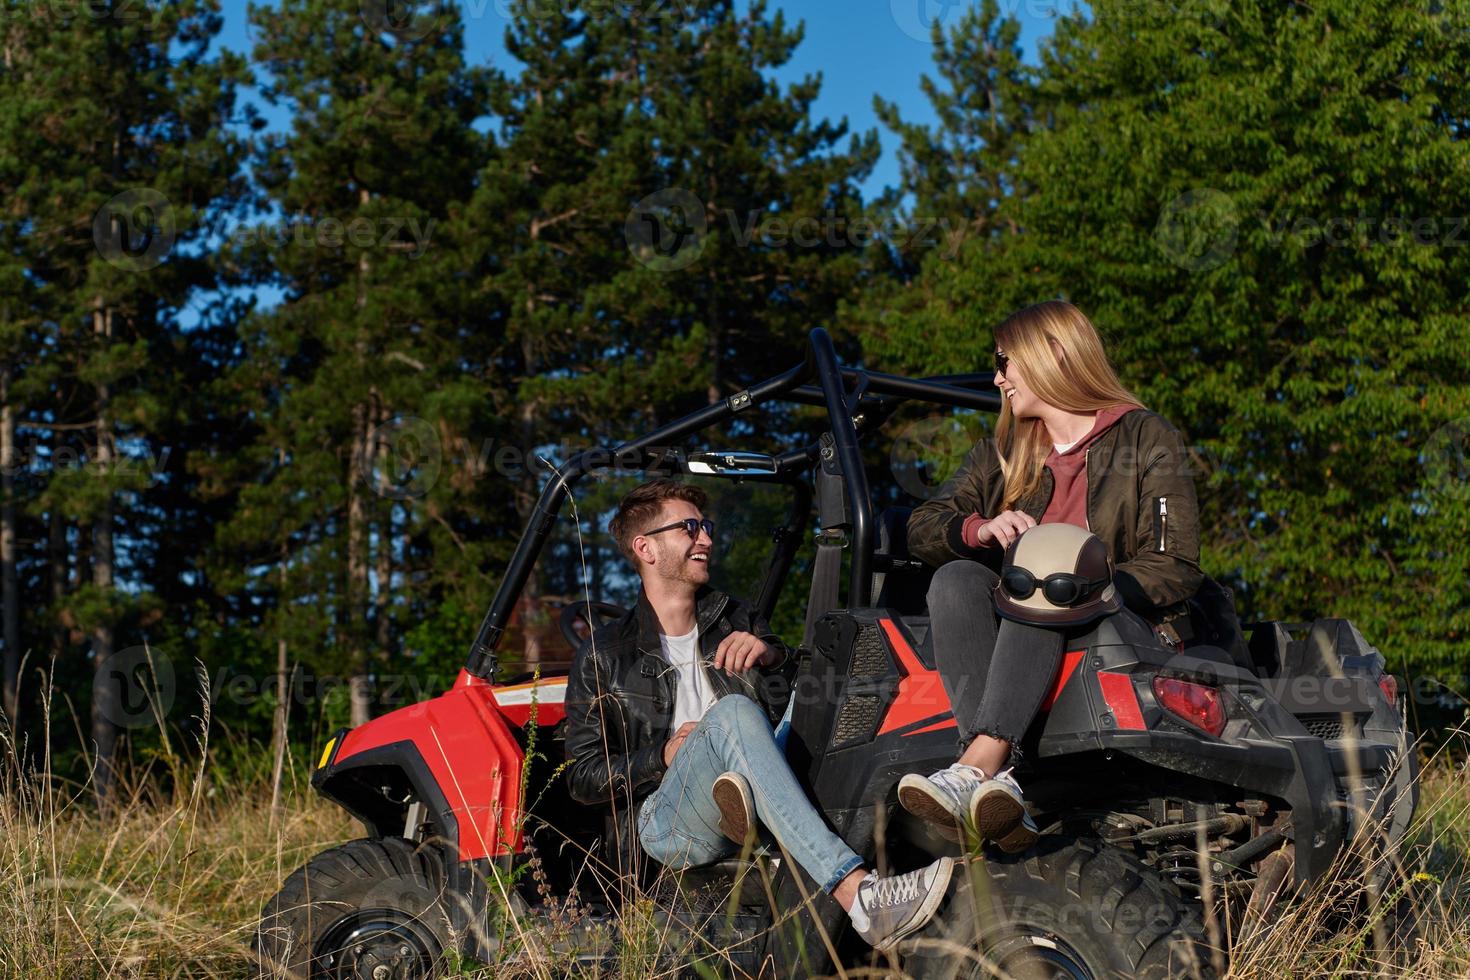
<point x="1140" y="502"/>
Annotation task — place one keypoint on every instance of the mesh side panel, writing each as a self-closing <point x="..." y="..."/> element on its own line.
<point x="857" y="720"/>
<point x="1326" y="726"/>
<point x="869" y="653"/>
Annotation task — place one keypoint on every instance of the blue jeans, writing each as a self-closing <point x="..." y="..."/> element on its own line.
<point x="679" y="823"/>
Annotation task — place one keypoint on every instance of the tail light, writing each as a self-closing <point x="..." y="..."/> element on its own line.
<point x="1389" y="685"/>
<point x="1198" y="704"/>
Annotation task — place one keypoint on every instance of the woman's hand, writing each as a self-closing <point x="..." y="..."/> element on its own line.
<point x="1004" y="528"/>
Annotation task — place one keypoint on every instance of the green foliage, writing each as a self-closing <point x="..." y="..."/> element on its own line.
<point x="1223" y="190"/>
<point x="113" y="171"/>
<point x="1260" y="204"/>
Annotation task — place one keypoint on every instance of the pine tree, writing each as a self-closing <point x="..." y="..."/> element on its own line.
<point x="782" y="244"/>
<point x="114" y="166"/>
<point x="380" y="153"/>
<point x="662" y="222"/>
<point x="958" y="173"/>
<point x="960" y="183"/>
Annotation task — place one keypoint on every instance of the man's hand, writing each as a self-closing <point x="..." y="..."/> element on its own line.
<point x="673" y="744"/>
<point x="1004" y="528"/>
<point x="739" y="652"/>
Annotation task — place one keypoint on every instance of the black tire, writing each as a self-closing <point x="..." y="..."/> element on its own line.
<point x="357" y="907"/>
<point x="1066" y="908"/>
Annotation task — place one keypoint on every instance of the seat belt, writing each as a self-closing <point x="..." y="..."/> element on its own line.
<point x="835" y="519"/>
<point x="826" y="580"/>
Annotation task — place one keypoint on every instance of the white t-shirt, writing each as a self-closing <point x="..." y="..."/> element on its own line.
<point x="1062" y="447"/>
<point x="693" y="695"/>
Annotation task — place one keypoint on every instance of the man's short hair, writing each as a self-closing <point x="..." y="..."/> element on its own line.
<point x="642" y="505"/>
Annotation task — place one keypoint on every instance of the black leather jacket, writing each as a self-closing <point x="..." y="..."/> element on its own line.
<point x="620" y="696"/>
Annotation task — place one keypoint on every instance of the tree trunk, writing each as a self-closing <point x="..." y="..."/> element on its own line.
<point x="714" y="322"/>
<point x="383" y="556"/>
<point x="283" y="685"/>
<point x="56" y="574"/>
<point x="9" y="596"/>
<point x="278" y="728"/>
<point x="716" y="354"/>
<point x="104" y="691"/>
<point x="357" y="519"/>
<point x="357" y="570"/>
<point x="526" y="503"/>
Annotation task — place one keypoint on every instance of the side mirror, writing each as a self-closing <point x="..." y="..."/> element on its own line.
<point x="729" y="463"/>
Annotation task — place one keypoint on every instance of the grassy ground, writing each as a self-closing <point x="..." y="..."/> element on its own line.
<point x="171" y="886"/>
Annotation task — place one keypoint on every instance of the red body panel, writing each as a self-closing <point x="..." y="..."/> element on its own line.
<point x="921" y="694"/>
<point x="1068" y="666"/>
<point x="465" y="739"/>
<point x="1117" y="690"/>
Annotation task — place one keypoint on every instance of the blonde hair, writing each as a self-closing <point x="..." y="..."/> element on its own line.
<point x="1062" y="360"/>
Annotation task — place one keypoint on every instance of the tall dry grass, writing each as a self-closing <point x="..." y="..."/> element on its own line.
<point x="170" y="885"/>
<point x="1418" y="926"/>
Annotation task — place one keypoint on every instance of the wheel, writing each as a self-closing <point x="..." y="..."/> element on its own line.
<point x="1064" y="909"/>
<point x="590" y="614"/>
<point x="366" y="910"/>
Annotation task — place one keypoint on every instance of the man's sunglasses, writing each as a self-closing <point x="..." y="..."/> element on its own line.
<point x="1001" y="362"/>
<point x="1060" y="589"/>
<point x="691" y="525"/>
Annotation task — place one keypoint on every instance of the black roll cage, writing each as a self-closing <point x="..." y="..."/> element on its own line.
<point x="873" y="397"/>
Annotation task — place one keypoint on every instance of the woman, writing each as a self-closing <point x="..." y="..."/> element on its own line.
<point x="1072" y="446"/>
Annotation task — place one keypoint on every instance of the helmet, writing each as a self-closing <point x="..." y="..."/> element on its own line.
<point x="1056" y="575"/>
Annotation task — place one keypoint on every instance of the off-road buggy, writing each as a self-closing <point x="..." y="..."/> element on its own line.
<point x="1171" y="786"/>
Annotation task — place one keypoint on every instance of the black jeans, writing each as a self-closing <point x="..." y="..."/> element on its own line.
<point x="995" y="671"/>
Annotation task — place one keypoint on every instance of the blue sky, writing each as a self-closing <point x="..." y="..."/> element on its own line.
<point x="860" y="48"/>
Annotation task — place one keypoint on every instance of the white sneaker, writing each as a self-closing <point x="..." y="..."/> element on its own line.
<point x="901" y="905"/>
<point x="943" y="798"/>
<point x="997" y="811"/>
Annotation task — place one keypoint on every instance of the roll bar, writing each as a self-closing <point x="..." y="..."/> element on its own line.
<point x="873" y="395"/>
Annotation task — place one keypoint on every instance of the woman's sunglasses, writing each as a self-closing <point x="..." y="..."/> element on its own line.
<point x="1060" y="589"/>
<point x="1001" y="362"/>
<point x="691" y="525"/>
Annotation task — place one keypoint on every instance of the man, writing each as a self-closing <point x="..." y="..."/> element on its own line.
<point x="672" y="708"/>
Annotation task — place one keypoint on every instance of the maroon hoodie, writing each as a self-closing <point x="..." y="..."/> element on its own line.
<point x="1068" y="503"/>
